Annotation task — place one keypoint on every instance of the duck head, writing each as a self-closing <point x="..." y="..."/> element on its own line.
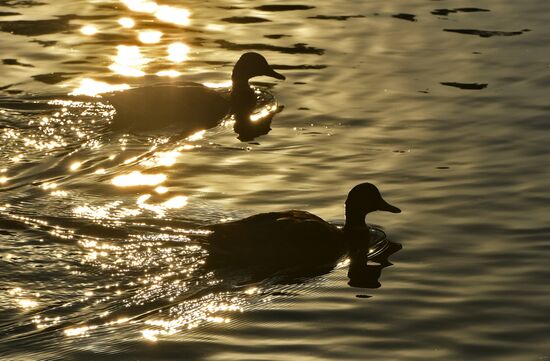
<point x="365" y="198"/>
<point x="243" y="99"/>
<point x="250" y="65"/>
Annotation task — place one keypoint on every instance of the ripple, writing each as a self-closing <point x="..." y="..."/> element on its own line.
<point x="53" y="78"/>
<point x="486" y="33"/>
<point x="283" y="7"/>
<point x="445" y="12"/>
<point x="37" y="27"/>
<point x="16" y="63"/>
<point x="469" y="86"/>
<point x="245" y="20"/>
<point x="276" y="36"/>
<point x="335" y="17"/>
<point x="404" y="16"/>
<point x="7" y="13"/>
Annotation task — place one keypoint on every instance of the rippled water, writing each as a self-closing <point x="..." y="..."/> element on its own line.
<point x="442" y="104"/>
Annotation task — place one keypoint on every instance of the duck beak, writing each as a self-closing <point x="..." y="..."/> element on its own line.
<point x="272" y="73"/>
<point x="385" y="206"/>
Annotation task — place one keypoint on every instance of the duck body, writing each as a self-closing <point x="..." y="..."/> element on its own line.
<point x="190" y="107"/>
<point x="296" y="237"/>
<point x="283" y="238"/>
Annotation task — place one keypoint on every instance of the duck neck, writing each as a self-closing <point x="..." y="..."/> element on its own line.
<point x="356" y="232"/>
<point x="355" y="219"/>
<point x="243" y="99"/>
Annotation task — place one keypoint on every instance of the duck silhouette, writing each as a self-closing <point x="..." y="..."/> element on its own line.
<point x="296" y="238"/>
<point x="191" y="107"/>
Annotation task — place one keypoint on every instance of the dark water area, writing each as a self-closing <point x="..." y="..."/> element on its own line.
<point x="442" y="104"/>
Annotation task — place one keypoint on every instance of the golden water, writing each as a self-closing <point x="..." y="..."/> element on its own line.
<point x="100" y="253"/>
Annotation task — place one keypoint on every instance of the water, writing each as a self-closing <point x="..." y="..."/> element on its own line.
<point x="442" y="105"/>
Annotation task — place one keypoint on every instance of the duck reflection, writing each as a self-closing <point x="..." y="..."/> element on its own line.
<point x="364" y="275"/>
<point x="291" y="246"/>
<point x="191" y="107"/>
<point x="364" y="268"/>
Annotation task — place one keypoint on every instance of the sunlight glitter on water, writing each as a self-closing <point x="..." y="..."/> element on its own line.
<point x="205" y="310"/>
<point x="178" y="52"/>
<point x="170" y="14"/>
<point x="169" y="73"/>
<point x="213" y="85"/>
<point x="264" y="112"/>
<point x="446" y="154"/>
<point x="137" y="178"/>
<point x="150" y="36"/>
<point x="160" y="209"/>
<point x="127" y="22"/>
<point x="129" y="61"/>
<point x="142" y="6"/>
<point x="75" y="165"/>
<point x="59" y="193"/>
<point x="81" y="331"/>
<point x="196" y="136"/>
<point x="93" y="87"/>
<point x="27" y="303"/>
<point x="88" y="30"/>
<point x="176" y="202"/>
<point x="162" y="159"/>
<point x="173" y="15"/>
<point x="96" y="212"/>
<point x="161" y="190"/>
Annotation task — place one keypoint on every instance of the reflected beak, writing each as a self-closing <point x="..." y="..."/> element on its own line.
<point x="272" y="73"/>
<point x="385" y="206"/>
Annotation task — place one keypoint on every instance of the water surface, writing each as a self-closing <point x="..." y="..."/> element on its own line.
<point x="442" y="105"/>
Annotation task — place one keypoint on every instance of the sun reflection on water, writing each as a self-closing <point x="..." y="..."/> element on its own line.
<point x="173" y="15"/>
<point x="75" y="165"/>
<point x="162" y="159"/>
<point x="216" y="27"/>
<point x="137" y="178"/>
<point x="149" y="36"/>
<point x="142" y="6"/>
<point x="81" y="331"/>
<point x="176" y="202"/>
<point x="129" y="61"/>
<point x="161" y="190"/>
<point x="196" y="136"/>
<point x="169" y="73"/>
<point x="59" y="193"/>
<point x="88" y="30"/>
<point x="225" y="84"/>
<point x="126" y="22"/>
<point x="92" y="87"/>
<point x="178" y="52"/>
<point x="188" y="315"/>
<point x="22" y="298"/>
<point x="160" y="209"/>
<point x="166" y="13"/>
<point x="264" y="112"/>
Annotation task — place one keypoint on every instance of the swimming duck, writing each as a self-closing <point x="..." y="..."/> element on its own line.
<point x="190" y="107"/>
<point x="296" y="237"/>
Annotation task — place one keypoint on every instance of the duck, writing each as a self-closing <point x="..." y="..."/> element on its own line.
<point x="295" y="237"/>
<point x="190" y="107"/>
